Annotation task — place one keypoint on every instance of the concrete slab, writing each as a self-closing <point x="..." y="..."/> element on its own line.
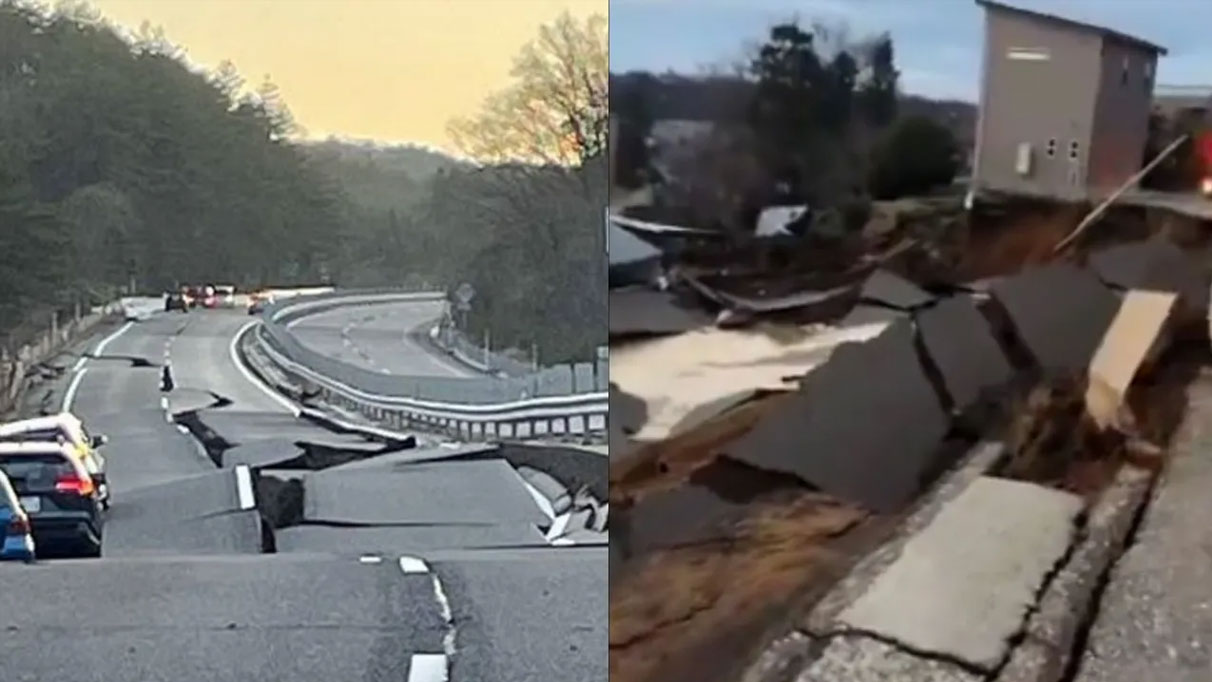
<point x="1060" y="312"/>
<point x="824" y="433"/>
<point x="892" y="290"/>
<point x="862" y="659"/>
<point x="960" y="343"/>
<point x="964" y="585"/>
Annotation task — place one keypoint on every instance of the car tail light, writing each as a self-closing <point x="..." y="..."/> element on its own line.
<point x="1205" y="186"/>
<point x="75" y="484"/>
<point x="18" y="525"/>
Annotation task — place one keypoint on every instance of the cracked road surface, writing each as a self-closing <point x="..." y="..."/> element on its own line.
<point x="185" y="593"/>
<point x="375" y="337"/>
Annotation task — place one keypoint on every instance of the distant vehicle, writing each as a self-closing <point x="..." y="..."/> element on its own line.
<point x="207" y="297"/>
<point x="225" y="295"/>
<point x="58" y="495"/>
<point x="16" y="535"/>
<point x="257" y="302"/>
<point x="176" y="301"/>
<point x="64" y="428"/>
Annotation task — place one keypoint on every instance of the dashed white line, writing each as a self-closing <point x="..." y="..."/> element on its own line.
<point x="244" y="488"/>
<point x="448" y="639"/>
<point x="427" y="668"/>
<point x="410" y="564"/>
<point x="432" y="667"/>
<point x="370" y="559"/>
<point x="251" y="378"/>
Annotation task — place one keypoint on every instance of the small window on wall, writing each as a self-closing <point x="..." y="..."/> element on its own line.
<point x="1073" y="148"/>
<point x="1050" y="148"/>
<point x="1148" y="76"/>
<point x="1123" y="74"/>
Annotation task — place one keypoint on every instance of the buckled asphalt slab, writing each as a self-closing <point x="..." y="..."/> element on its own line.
<point x="1059" y="312"/>
<point x="824" y="434"/>
<point x="961" y="346"/>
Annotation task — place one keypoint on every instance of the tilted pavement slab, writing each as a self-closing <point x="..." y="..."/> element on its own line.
<point x="1154" y="621"/>
<point x="963" y="586"/>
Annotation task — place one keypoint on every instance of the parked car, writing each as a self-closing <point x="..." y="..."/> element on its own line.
<point x="16" y="536"/>
<point x="225" y="296"/>
<point x="58" y="495"/>
<point x="64" y="428"/>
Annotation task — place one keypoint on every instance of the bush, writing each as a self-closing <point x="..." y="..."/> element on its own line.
<point x="915" y="156"/>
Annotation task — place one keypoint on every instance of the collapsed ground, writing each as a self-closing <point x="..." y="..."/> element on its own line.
<point x="743" y="482"/>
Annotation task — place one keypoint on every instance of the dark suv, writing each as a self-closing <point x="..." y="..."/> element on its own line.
<point x="59" y="496"/>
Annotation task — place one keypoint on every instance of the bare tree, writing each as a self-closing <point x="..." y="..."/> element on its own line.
<point x="556" y="111"/>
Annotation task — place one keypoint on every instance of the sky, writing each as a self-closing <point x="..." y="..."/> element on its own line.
<point x="937" y="43"/>
<point x="395" y="71"/>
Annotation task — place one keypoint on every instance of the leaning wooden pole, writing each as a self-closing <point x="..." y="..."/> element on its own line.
<point x="1102" y="208"/>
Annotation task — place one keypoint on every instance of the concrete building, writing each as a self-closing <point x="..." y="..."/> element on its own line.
<point x="1064" y="108"/>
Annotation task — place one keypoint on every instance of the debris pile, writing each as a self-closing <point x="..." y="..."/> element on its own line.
<point x="754" y="460"/>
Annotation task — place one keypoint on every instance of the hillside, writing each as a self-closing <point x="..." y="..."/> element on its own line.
<point x="379" y="177"/>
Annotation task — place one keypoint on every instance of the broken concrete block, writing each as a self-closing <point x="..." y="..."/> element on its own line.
<point x="963" y="586"/>
<point x="869" y="409"/>
<point x="1135" y="334"/>
<point x="960" y="343"/>
<point x="863" y="659"/>
<point x="1059" y="312"/>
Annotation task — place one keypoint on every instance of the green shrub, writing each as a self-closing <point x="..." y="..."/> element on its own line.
<point x="915" y="156"/>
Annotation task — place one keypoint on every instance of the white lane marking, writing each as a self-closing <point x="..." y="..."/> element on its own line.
<point x="448" y="639"/>
<point x="558" y="527"/>
<point x="410" y="564"/>
<point x="252" y="378"/>
<point x="427" y="668"/>
<point x="78" y="368"/>
<point x="539" y="498"/>
<point x="164" y="403"/>
<point x="244" y="489"/>
<point x="70" y="396"/>
<point x="109" y="339"/>
<point x="370" y="559"/>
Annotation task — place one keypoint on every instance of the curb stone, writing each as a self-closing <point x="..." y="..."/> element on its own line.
<point x="1052" y="629"/>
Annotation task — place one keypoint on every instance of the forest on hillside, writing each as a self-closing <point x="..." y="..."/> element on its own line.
<point x="124" y="169"/>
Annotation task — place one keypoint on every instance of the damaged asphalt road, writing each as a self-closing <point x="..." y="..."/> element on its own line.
<point x="214" y="571"/>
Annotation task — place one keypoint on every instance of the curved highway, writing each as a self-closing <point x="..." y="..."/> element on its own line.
<point x="377" y="337"/>
<point x="401" y="571"/>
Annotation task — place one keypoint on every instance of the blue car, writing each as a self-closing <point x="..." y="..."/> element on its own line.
<point x="16" y="533"/>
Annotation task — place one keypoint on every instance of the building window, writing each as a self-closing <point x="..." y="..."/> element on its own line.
<point x="1073" y="150"/>
<point x="1148" y="76"/>
<point x="1050" y="149"/>
<point x="1028" y="54"/>
<point x="1123" y="74"/>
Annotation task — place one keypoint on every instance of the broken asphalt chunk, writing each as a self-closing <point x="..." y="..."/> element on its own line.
<point x="894" y="291"/>
<point x="627" y="411"/>
<point x="866" y="426"/>
<point x="961" y="346"/>
<point x="1059" y="312"/>
<point x="1156" y="264"/>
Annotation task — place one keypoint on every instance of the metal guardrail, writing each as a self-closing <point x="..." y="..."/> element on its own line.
<point x="570" y="399"/>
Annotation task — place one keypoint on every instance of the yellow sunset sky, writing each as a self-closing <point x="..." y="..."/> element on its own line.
<point x="389" y="70"/>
